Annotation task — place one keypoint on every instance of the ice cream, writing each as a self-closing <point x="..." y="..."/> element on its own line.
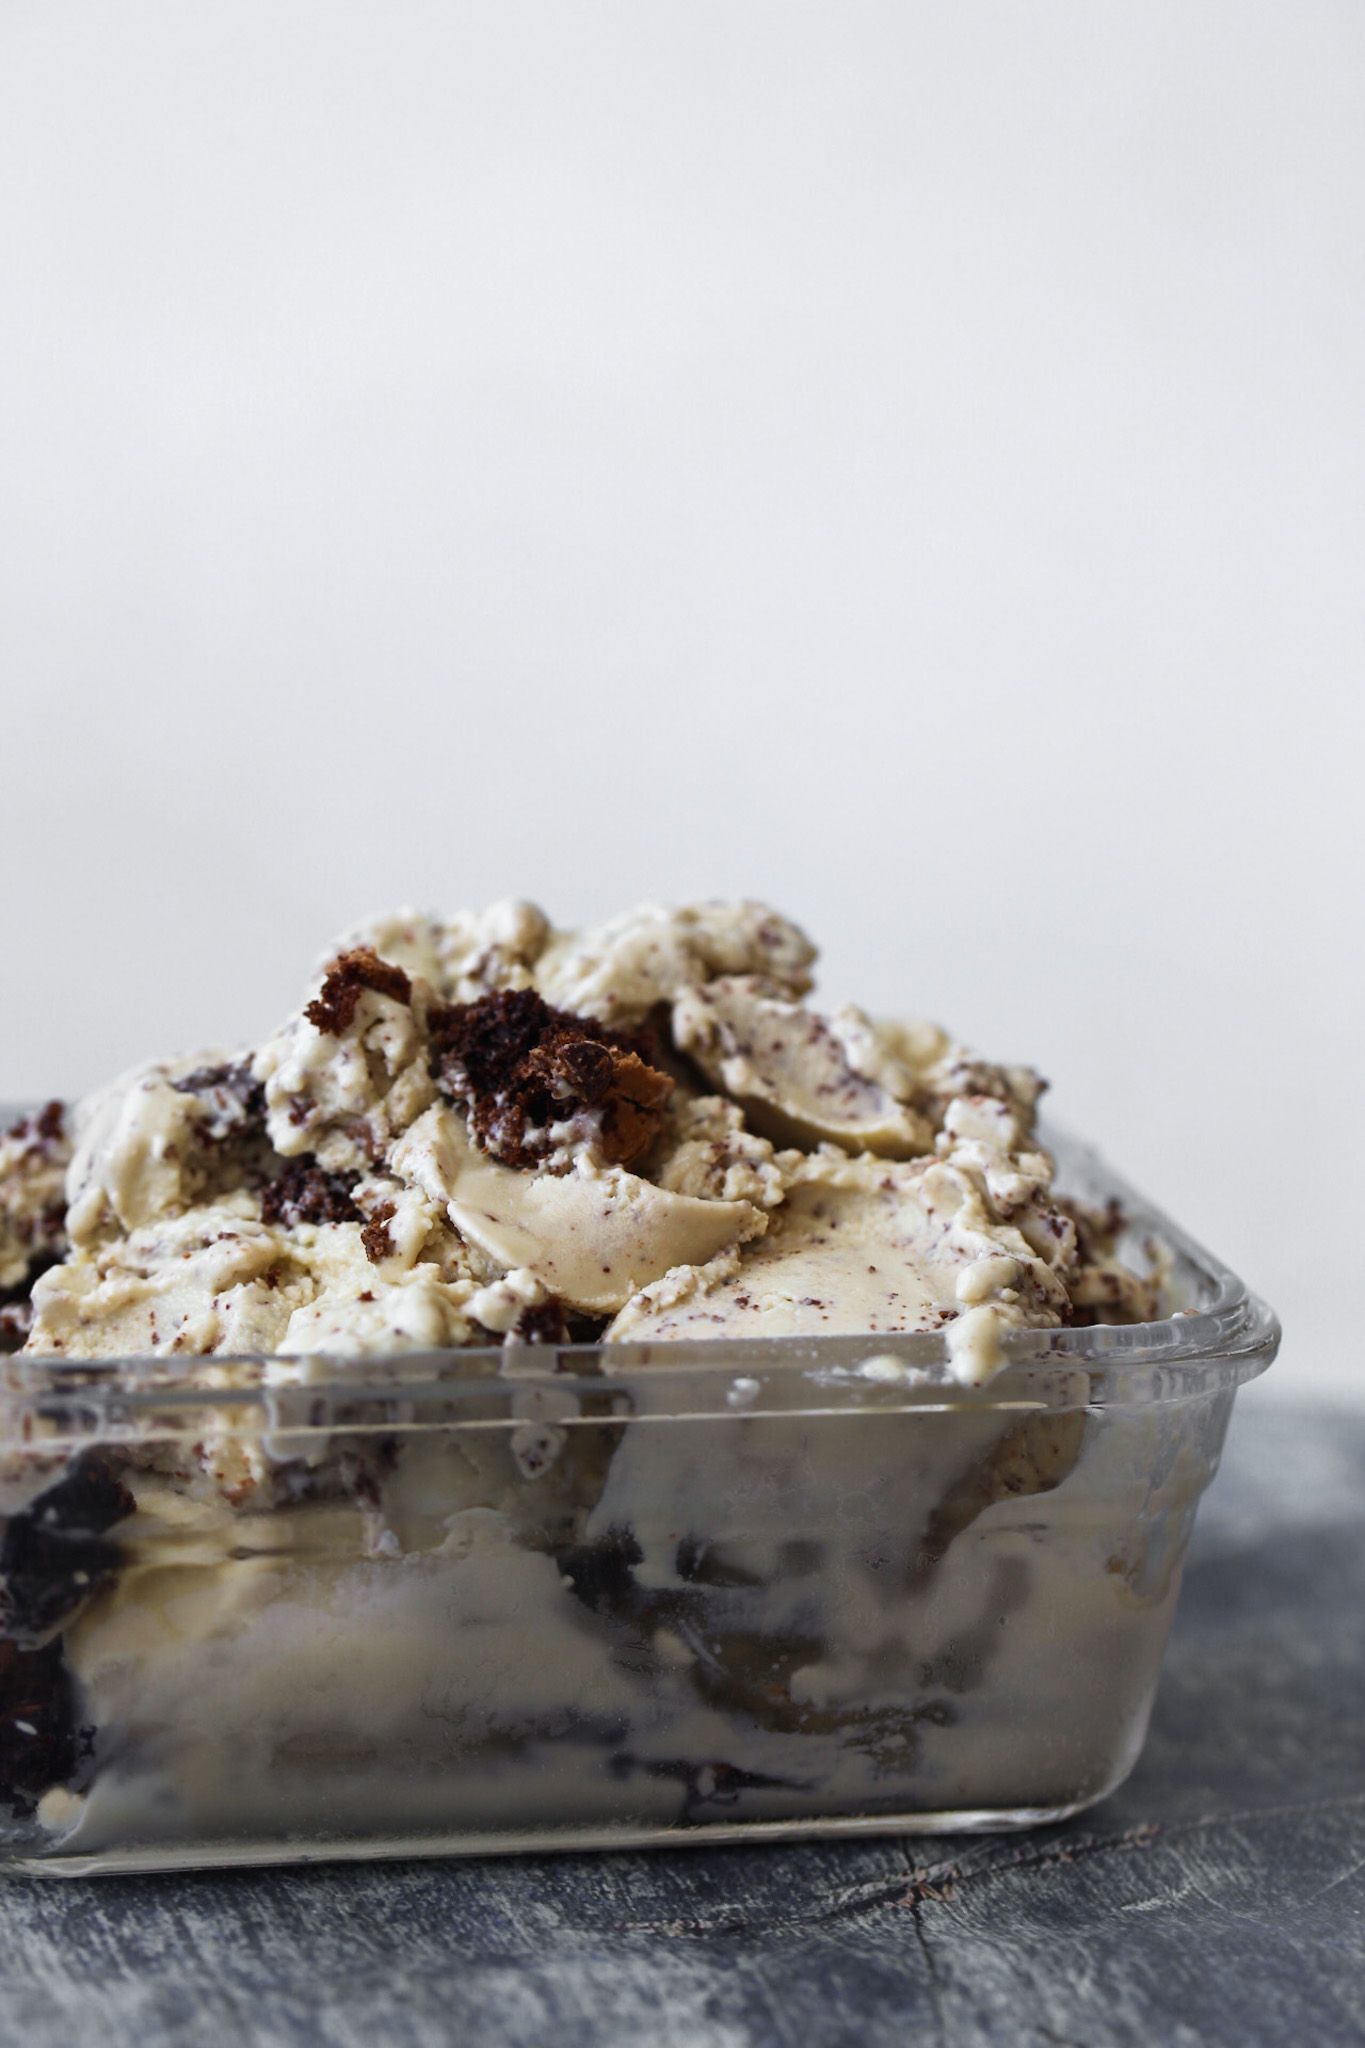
<point x="483" y="1132"/>
<point x="648" y="1120"/>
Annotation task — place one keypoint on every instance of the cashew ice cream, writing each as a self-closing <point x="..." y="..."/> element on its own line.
<point x="481" y="1132"/>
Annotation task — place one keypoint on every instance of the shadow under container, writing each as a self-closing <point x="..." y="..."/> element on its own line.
<point x="266" y="1611"/>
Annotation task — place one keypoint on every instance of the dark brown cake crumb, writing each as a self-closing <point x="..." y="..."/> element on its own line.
<point x="42" y="1131"/>
<point x="516" y="1066"/>
<point x="16" y="1321"/>
<point x="584" y="1329"/>
<point x="232" y="1101"/>
<point x="39" y="1743"/>
<point x="37" y="1234"/>
<point x="231" y="1125"/>
<point x="307" y="1193"/>
<point x="55" y="1553"/>
<point x="542" y="1322"/>
<point x="16" y="1304"/>
<point x="375" y="1236"/>
<point x="334" y="1005"/>
<point x="43" y="1238"/>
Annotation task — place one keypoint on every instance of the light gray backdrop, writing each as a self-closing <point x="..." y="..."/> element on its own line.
<point x="902" y="460"/>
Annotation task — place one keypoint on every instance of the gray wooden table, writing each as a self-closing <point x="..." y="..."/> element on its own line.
<point x="1220" y="1897"/>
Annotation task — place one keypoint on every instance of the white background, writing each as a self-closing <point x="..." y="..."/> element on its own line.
<point x="906" y="461"/>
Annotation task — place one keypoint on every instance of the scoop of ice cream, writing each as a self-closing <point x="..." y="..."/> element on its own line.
<point x="622" y="970"/>
<point x="709" y="1152"/>
<point x="462" y="957"/>
<point x="495" y="948"/>
<point x="162" y="1139"/>
<point x="422" y="1313"/>
<point x="210" y="1279"/>
<point x="318" y="1262"/>
<point x="859" y="1245"/>
<point x="350" y="1071"/>
<point x="793" y="1071"/>
<point x="615" y="972"/>
<point x="593" y="1236"/>
<point x="464" y="1100"/>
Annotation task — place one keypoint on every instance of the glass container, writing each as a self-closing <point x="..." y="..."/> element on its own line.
<point x="262" y="1610"/>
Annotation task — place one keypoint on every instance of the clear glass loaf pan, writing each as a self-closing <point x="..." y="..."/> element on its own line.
<point x="461" y="1602"/>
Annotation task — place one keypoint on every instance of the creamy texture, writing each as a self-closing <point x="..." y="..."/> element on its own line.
<point x="593" y="1236"/>
<point x="795" y="1073"/>
<point x="858" y="1245"/>
<point x="649" y="1118"/>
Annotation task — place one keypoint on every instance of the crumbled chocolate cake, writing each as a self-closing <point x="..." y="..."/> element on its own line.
<point x="55" y="1553"/>
<point x="375" y="1236"/>
<point x="43" y="1238"/>
<point x="232" y="1125"/>
<point x="477" y="1047"/>
<point x="40" y="1745"/>
<point x="16" y="1303"/>
<point x="232" y="1101"/>
<point x="44" y="1129"/>
<point x="334" y="1005"/>
<point x="308" y="1193"/>
<point x="581" y="1328"/>
<point x="542" y="1322"/>
<point x="517" y="1066"/>
<point x="16" y="1322"/>
<point x="33" y="1236"/>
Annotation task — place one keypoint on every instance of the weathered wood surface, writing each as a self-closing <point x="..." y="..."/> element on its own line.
<point x="1219" y="1898"/>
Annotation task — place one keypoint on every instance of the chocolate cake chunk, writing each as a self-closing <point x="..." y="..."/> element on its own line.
<point x="375" y="1236"/>
<point x="44" y="1131"/>
<point x="230" y="1128"/>
<point x="305" y="1192"/>
<point x="40" y="1745"/>
<point x="34" y="1153"/>
<point x="55" y="1554"/>
<point x="349" y="974"/>
<point x="517" y="1066"/>
<point x="232" y="1100"/>
<point x="16" y="1303"/>
<point x="542" y="1323"/>
<point x="16" y="1321"/>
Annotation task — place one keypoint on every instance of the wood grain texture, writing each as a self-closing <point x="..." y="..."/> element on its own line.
<point x="1219" y="1898"/>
